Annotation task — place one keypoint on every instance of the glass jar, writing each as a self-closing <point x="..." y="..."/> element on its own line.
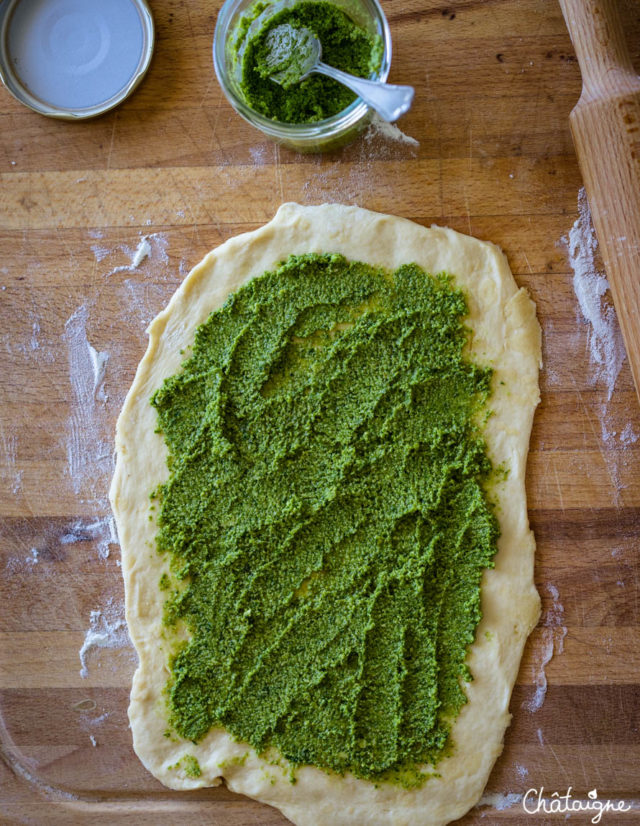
<point x="318" y="136"/>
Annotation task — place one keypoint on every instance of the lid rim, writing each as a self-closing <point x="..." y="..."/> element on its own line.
<point x="23" y="95"/>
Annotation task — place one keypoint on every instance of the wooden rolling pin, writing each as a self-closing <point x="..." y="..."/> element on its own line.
<point x="606" y="131"/>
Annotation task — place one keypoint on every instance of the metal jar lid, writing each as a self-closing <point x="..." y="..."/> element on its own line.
<point x="74" y="59"/>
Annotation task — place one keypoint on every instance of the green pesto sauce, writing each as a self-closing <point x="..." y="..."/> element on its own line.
<point x="326" y="517"/>
<point x="345" y="45"/>
<point x="189" y="765"/>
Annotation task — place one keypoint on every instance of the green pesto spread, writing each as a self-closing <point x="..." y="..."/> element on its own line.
<point x="326" y="517"/>
<point x="345" y="45"/>
<point x="189" y="765"/>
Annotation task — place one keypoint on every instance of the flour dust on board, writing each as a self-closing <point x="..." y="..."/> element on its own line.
<point x="604" y="339"/>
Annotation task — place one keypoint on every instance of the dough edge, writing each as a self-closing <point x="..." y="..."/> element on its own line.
<point x="505" y="334"/>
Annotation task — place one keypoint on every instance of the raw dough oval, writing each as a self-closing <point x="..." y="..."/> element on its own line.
<point x="506" y="335"/>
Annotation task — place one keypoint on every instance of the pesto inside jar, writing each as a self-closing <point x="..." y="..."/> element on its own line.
<point x="345" y="45"/>
<point x="326" y="517"/>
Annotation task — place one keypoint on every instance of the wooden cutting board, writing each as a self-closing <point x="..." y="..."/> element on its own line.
<point x="495" y="82"/>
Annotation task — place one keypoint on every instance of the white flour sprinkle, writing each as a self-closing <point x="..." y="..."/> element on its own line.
<point x="152" y="246"/>
<point x="628" y="435"/>
<point x="330" y="181"/>
<point x="552" y="642"/>
<point x="88" y="458"/>
<point x="499" y="802"/>
<point x="108" y="535"/>
<point x="320" y="186"/>
<point x="94" y="742"/>
<point x="9" y="447"/>
<point x="100" y="530"/>
<point x="100" y="252"/>
<point x="19" y="565"/>
<point x="143" y="251"/>
<point x="35" y="332"/>
<point x="99" y="365"/>
<point x="521" y="771"/>
<point x="107" y="629"/>
<point x="381" y="127"/>
<point x="258" y="155"/>
<point x="606" y="347"/>
<point x="605" y="342"/>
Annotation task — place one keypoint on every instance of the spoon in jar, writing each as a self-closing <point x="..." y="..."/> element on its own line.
<point x="291" y="54"/>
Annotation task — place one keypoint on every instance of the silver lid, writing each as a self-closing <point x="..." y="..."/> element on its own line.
<point x="74" y="59"/>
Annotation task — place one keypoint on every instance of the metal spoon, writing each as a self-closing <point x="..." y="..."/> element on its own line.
<point x="294" y="53"/>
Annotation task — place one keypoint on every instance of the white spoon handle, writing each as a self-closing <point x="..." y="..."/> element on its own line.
<point x="388" y="100"/>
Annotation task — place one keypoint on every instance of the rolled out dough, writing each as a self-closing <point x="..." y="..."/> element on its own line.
<point x="506" y="335"/>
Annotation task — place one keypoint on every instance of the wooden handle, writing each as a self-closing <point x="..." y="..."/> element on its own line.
<point x="606" y="131"/>
<point x="598" y="38"/>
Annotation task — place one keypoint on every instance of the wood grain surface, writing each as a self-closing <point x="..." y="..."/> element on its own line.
<point x="495" y="83"/>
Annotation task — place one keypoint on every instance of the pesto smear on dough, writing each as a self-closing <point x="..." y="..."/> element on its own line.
<point x="345" y="45"/>
<point x="326" y="517"/>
